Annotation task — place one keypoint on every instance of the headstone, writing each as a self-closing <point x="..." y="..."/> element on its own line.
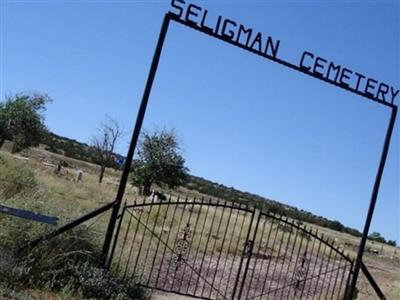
<point x="79" y="175"/>
<point x="58" y="168"/>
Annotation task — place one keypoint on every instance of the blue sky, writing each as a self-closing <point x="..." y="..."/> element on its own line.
<point x="243" y="121"/>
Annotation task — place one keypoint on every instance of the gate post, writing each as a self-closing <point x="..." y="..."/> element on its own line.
<point x="371" y="208"/>
<point x="244" y="254"/>
<point x="114" y="243"/>
<point x="250" y="254"/>
<point x="134" y="140"/>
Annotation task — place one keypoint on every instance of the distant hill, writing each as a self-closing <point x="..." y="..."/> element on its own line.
<point x="81" y="151"/>
<point x="229" y="193"/>
<point x="74" y="149"/>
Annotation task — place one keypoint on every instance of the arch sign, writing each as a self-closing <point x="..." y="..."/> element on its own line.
<point x="239" y="35"/>
<point x="266" y="46"/>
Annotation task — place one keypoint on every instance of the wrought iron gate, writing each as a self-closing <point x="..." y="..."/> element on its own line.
<point x="289" y="261"/>
<point x="224" y="250"/>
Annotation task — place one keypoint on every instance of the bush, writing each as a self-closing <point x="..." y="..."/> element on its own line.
<point x="94" y="282"/>
<point x="16" y="179"/>
<point x="67" y="262"/>
<point x="18" y="188"/>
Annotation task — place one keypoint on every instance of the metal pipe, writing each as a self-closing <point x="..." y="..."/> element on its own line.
<point x="134" y="140"/>
<point x="372" y="281"/>
<point x="68" y="226"/>
<point x="374" y="196"/>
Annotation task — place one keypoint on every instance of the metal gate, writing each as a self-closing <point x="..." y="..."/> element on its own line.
<point x="225" y="250"/>
<point x="289" y="261"/>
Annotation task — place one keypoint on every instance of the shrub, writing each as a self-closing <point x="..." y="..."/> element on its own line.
<point x="67" y="262"/>
<point x="16" y="178"/>
<point x="18" y="188"/>
<point x="95" y="283"/>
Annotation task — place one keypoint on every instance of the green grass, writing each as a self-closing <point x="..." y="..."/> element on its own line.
<point x="60" y="196"/>
<point x="65" y="266"/>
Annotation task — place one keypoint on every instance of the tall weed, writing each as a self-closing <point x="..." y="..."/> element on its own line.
<point x="16" y="179"/>
<point x="66" y="264"/>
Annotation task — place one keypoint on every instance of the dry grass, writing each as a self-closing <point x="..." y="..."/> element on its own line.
<point x="69" y="199"/>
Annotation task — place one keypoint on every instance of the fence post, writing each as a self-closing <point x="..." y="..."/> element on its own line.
<point x="243" y="255"/>
<point x="251" y="246"/>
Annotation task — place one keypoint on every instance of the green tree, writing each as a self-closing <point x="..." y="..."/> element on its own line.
<point x="376" y="236"/>
<point x="158" y="161"/>
<point x="22" y="119"/>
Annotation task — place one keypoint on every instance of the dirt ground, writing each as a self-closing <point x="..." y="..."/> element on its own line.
<point x="169" y="296"/>
<point x="69" y="200"/>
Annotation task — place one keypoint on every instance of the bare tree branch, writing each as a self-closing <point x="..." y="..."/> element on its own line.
<point x="104" y="143"/>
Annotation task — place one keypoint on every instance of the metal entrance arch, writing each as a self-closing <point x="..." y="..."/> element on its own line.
<point x="224" y="250"/>
<point x="142" y="110"/>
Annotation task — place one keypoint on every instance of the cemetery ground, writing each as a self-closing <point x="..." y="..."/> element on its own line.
<point x="29" y="182"/>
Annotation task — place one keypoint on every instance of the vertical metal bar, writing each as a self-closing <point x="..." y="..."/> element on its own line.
<point x="205" y="249"/>
<point x="277" y="256"/>
<point x="346" y="291"/>
<point x="134" y="140"/>
<point x="133" y="241"/>
<point x="184" y="258"/>
<point x="320" y="268"/>
<point x="308" y="265"/>
<point x="250" y="254"/>
<point x="191" y="242"/>
<point x="222" y="246"/>
<point x="374" y="196"/>
<point x="327" y="267"/>
<point x="341" y="279"/>
<point x="213" y="247"/>
<point x="243" y="256"/>
<point x="114" y="243"/>
<point x="255" y="261"/>
<point x="158" y="243"/>
<point x="235" y="253"/>
<point x="199" y="245"/>
<point x="330" y="273"/>
<point x="124" y="242"/>
<point x="143" y="238"/>
<point x="176" y="238"/>
<point x="165" y="247"/>
<point x="266" y="249"/>
<point x="290" y="260"/>
<point x="151" y="239"/>
<point x="297" y="258"/>
<point x="315" y="262"/>
<point x="272" y="254"/>
<point x="229" y="247"/>
<point x="336" y="278"/>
